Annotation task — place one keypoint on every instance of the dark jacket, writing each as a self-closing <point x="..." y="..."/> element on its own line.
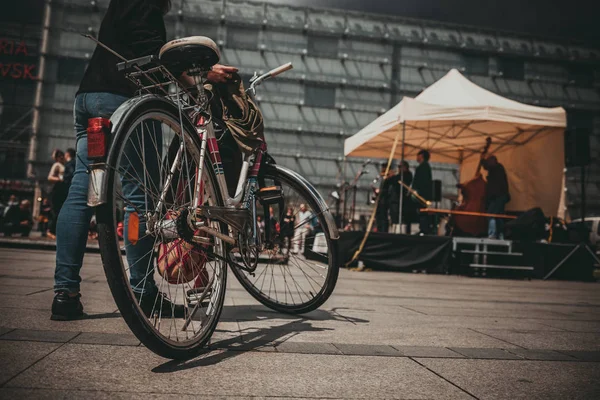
<point x="423" y="181"/>
<point x="132" y="28"/>
<point x="497" y="182"/>
<point x="395" y="187"/>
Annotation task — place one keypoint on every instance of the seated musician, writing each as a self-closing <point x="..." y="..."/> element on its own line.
<point x="497" y="195"/>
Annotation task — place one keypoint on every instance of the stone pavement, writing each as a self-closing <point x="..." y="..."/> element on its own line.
<point x="381" y="335"/>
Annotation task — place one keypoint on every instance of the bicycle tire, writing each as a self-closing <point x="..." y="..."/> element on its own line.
<point x="276" y="173"/>
<point x="111" y="253"/>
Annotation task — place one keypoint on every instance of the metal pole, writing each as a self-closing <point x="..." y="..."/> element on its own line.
<point x="35" y="123"/>
<point x="343" y="196"/>
<point x="582" y="193"/>
<point x="402" y="177"/>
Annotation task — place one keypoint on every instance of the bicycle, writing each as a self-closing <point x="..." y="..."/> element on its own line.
<point x="192" y="228"/>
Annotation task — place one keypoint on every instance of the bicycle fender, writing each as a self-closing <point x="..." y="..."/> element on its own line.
<point x="330" y="221"/>
<point x="98" y="180"/>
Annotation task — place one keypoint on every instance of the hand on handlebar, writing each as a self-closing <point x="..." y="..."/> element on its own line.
<point x="221" y="73"/>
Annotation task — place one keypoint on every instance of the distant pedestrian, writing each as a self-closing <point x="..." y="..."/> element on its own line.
<point x="59" y="191"/>
<point x="304" y="228"/>
<point x="45" y="215"/>
<point x="287" y="228"/>
<point x="69" y="167"/>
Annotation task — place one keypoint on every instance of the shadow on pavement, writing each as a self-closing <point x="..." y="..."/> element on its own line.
<point x="233" y="347"/>
<point x="255" y="338"/>
<point x="259" y="312"/>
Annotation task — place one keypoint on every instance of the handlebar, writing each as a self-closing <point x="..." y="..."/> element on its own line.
<point x="257" y="80"/>
<point x="281" y="69"/>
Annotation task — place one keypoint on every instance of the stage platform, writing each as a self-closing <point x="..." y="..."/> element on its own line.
<point x="470" y="256"/>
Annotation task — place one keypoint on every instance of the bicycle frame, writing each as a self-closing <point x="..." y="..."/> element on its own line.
<point x="243" y="198"/>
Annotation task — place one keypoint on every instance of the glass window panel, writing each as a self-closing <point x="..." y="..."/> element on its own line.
<point x="319" y="96"/>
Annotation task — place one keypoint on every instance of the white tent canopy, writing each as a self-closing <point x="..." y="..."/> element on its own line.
<point x="453" y="117"/>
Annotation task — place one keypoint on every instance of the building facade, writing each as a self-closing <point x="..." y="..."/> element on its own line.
<point x="349" y="68"/>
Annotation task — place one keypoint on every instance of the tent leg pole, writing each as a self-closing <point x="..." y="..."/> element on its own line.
<point x="402" y="178"/>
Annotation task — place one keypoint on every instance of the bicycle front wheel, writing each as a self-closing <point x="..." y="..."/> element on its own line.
<point x="170" y="286"/>
<point x="297" y="271"/>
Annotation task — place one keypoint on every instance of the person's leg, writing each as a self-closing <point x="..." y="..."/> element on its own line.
<point x="492" y="228"/>
<point x="53" y="220"/>
<point x="74" y="218"/>
<point x="25" y="230"/>
<point x="231" y="157"/>
<point x="378" y="223"/>
<point x="72" y="223"/>
<point x="424" y="223"/>
<point x="495" y="206"/>
<point x="500" y="222"/>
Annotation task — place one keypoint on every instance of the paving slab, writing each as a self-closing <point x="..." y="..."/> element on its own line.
<point x="574" y="326"/>
<point x="248" y="374"/>
<point x="51" y="394"/>
<point x="40" y="336"/>
<point x="541" y="355"/>
<point x="43" y="301"/>
<point x="427" y="351"/>
<point x="367" y="350"/>
<point x="495" y="354"/>
<point x="16" y="356"/>
<point x="40" y="319"/>
<point x="506" y="379"/>
<point x="547" y="340"/>
<point x="583" y="355"/>
<point x="307" y="348"/>
<point x="114" y="339"/>
<point x="4" y="330"/>
<point x="23" y="289"/>
<point x="492" y="312"/>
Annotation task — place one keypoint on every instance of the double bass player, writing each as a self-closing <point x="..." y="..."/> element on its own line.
<point x="497" y="195"/>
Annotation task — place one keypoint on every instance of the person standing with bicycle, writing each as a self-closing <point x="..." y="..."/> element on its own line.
<point x="132" y="28"/>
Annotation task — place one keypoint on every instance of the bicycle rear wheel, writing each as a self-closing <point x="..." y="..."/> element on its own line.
<point x="170" y="287"/>
<point x="298" y="271"/>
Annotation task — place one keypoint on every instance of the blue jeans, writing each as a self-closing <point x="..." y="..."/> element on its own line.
<point x="496" y="225"/>
<point x="74" y="219"/>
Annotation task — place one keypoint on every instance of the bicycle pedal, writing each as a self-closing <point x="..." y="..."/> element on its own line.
<point x="195" y="295"/>
<point x="270" y="194"/>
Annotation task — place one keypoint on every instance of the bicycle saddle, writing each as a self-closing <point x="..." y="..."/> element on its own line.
<point x="194" y="51"/>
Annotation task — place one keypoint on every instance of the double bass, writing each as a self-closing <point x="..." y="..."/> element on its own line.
<point x="473" y="200"/>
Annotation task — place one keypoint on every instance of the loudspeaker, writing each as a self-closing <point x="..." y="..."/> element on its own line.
<point x="528" y="227"/>
<point x="577" y="147"/>
<point x="437" y="190"/>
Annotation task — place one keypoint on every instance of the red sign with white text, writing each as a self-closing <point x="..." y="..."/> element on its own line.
<point x="15" y="70"/>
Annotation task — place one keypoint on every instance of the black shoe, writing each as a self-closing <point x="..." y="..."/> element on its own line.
<point x="66" y="308"/>
<point x="157" y="303"/>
